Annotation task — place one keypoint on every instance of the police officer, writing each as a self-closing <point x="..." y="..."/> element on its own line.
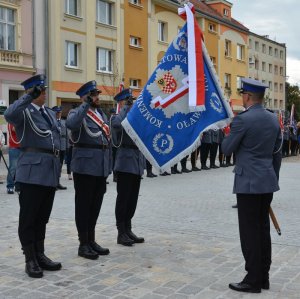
<point x="255" y="137"/>
<point x="37" y="171"/>
<point x="91" y="165"/>
<point x="129" y="165"/>
<point x="63" y="141"/>
<point x="205" y="147"/>
<point x="216" y="136"/>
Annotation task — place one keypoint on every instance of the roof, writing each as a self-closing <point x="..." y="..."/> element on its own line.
<point x="207" y="10"/>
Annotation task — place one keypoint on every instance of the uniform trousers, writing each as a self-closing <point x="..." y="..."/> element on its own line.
<point x="254" y="226"/>
<point x="213" y="153"/>
<point x="89" y="192"/>
<point x="128" y="187"/>
<point x="204" y="150"/>
<point x="36" y="203"/>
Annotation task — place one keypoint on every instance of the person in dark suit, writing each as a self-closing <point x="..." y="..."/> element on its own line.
<point x="37" y="171"/>
<point x="255" y="137"/>
<point x="206" y="143"/>
<point x="91" y="165"/>
<point x="129" y="165"/>
<point x="63" y="141"/>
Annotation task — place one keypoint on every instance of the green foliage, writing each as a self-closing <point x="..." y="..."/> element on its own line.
<point x="293" y="97"/>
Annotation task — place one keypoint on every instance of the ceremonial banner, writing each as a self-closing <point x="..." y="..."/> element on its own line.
<point x="161" y="122"/>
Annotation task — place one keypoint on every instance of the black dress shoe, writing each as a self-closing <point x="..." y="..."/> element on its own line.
<point x="165" y="173"/>
<point x="214" y="166"/>
<point x="124" y="240"/>
<point x="265" y="285"/>
<point x="46" y="263"/>
<point x="204" y="167"/>
<point x="244" y="287"/>
<point x="185" y="170"/>
<point x="195" y="168"/>
<point x="134" y="237"/>
<point x="87" y="252"/>
<point x="100" y="250"/>
<point x="178" y="171"/>
<point x="33" y="269"/>
<point x="173" y="171"/>
<point x="61" y="187"/>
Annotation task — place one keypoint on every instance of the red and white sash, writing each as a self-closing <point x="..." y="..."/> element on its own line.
<point x="95" y="118"/>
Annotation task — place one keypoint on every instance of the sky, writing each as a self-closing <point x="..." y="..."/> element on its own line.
<point x="280" y="19"/>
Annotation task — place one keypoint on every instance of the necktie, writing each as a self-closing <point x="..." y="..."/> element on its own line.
<point x="46" y="117"/>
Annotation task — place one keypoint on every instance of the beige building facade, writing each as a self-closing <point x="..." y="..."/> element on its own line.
<point x="267" y="63"/>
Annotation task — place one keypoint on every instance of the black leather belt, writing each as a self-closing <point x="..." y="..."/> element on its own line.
<point x="132" y="146"/>
<point x="85" y="145"/>
<point x="54" y="152"/>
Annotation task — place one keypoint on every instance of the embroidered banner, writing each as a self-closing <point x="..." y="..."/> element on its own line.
<point x="161" y="122"/>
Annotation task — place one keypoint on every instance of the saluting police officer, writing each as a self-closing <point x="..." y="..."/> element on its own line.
<point x="91" y="165"/>
<point x="63" y="141"/>
<point x="37" y="171"/>
<point x="129" y="165"/>
<point x="255" y="138"/>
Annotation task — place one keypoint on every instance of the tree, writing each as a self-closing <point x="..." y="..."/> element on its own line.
<point x="293" y="97"/>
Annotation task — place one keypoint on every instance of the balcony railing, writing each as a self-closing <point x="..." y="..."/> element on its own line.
<point x="10" y="58"/>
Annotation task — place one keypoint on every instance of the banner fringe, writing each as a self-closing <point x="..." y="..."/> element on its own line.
<point x="166" y="167"/>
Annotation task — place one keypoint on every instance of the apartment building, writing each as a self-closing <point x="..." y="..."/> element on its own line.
<point x="267" y="63"/>
<point x="16" y="50"/>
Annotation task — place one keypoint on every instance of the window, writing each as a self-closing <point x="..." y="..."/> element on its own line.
<point x="276" y="52"/>
<point x="225" y="12"/>
<point x="213" y="60"/>
<point x="275" y="103"/>
<point x="263" y="46"/>
<point x="256" y="64"/>
<point x="7" y="29"/>
<point x="72" y="7"/>
<point x="256" y="46"/>
<point x="270" y="85"/>
<point x="162" y="31"/>
<point x="281" y="104"/>
<point x="212" y="27"/>
<point x="227" y="48"/>
<point x="71" y="54"/>
<point x="240" y="53"/>
<point x="104" y="12"/>
<point x="281" y="71"/>
<point x="135" y="83"/>
<point x="276" y="86"/>
<point x="281" y="54"/>
<point x="250" y="43"/>
<point x="270" y="68"/>
<point x="263" y="66"/>
<point x="270" y="51"/>
<point x="276" y="69"/>
<point x="227" y="81"/>
<point x="135" y="41"/>
<point x="104" y="60"/>
<point x="281" y="87"/>
<point x="238" y="82"/>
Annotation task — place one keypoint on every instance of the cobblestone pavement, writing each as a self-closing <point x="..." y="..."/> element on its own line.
<point x="192" y="247"/>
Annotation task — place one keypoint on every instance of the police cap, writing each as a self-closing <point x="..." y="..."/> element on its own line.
<point x="90" y="86"/>
<point x="37" y="80"/>
<point x="251" y="85"/>
<point x="124" y="94"/>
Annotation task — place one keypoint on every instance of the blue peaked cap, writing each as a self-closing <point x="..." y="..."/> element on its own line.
<point x="87" y="87"/>
<point x="252" y="85"/>
<point x="124" y="94"/>
<point x="37" y="80"/>
<point x="57" y="108"/>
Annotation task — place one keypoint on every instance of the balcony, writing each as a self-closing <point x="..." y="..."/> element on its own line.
<point x="10" y="58"/>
